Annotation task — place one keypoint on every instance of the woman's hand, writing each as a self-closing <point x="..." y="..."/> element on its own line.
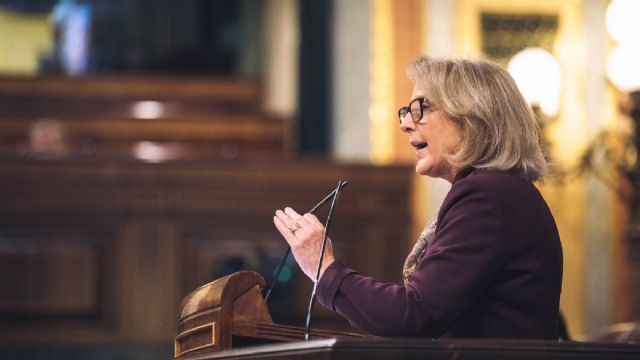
<point x="304" y="235"/>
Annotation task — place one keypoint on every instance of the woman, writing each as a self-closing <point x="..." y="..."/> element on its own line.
<point x="490" y="265"/>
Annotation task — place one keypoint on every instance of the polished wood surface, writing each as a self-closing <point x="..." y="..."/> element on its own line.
<point x="231" y="312"/>
<point x="423" y="349"/>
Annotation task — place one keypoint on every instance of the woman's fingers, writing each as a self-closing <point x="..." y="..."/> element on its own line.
<point x="297" y="218"/>
<point x="292" y="213"/>
<point x="286" y="219"/>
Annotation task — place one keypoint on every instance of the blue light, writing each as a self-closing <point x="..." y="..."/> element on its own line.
<point x="285" y="275"/>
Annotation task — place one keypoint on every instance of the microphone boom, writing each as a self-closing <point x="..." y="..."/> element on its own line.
<point x="341" y="185"/>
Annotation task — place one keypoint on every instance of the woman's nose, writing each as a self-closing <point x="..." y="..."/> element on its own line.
<point x="407" y="124"/>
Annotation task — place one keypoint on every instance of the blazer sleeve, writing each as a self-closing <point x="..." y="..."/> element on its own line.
<point x="461" y="259"/>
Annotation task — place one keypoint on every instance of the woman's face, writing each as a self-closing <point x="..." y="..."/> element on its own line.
<point x="433" y="137"/>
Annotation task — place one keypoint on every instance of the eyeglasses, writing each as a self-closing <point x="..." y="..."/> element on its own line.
<point x="415" y="108"/>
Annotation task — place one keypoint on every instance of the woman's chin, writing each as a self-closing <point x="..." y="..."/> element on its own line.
<point x="424" y="169"/>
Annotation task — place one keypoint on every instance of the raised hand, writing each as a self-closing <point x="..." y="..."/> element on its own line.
<point x="304" y="234"/>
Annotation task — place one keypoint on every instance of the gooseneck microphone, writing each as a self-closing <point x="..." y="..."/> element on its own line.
<point x="333" y="194"/>
<point x="312" y="300"/>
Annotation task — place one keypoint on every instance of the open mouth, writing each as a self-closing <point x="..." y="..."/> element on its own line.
<point x="419" y="145"/>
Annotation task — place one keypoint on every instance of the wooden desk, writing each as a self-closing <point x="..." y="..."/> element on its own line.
<point x="414" y="349"/>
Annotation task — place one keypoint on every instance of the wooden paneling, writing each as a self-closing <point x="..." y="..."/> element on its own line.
<point x="113" y="246"/>
<point x="147" y="279"/>
<point x="48" y="276"/>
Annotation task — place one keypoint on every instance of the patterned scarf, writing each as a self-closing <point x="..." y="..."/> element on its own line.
<point x="414" y="255"/>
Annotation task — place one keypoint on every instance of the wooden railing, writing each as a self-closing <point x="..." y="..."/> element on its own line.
<point x="113" y="116"/>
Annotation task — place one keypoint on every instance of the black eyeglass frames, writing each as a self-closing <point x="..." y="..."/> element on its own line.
<point x="415" y="108"/>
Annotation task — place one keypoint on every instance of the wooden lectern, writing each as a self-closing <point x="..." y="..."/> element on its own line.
<point x="231" y="312"/>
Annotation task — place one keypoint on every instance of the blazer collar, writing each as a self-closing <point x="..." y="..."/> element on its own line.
<point x="463" y="173"/>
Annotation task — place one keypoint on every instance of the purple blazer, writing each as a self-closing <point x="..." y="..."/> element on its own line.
<point x="493" y="269"/>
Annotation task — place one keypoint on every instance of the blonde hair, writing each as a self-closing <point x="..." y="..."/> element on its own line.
<point x="499" y="128"/>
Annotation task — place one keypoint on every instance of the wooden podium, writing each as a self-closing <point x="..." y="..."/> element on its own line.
<point x="220" y="319"/>
<point x="231" y="312"/>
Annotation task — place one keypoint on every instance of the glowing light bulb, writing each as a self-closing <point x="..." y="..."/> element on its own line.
<point x="539" y="78"/>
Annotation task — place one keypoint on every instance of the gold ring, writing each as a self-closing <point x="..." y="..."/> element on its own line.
<point x="295" y="227"/>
